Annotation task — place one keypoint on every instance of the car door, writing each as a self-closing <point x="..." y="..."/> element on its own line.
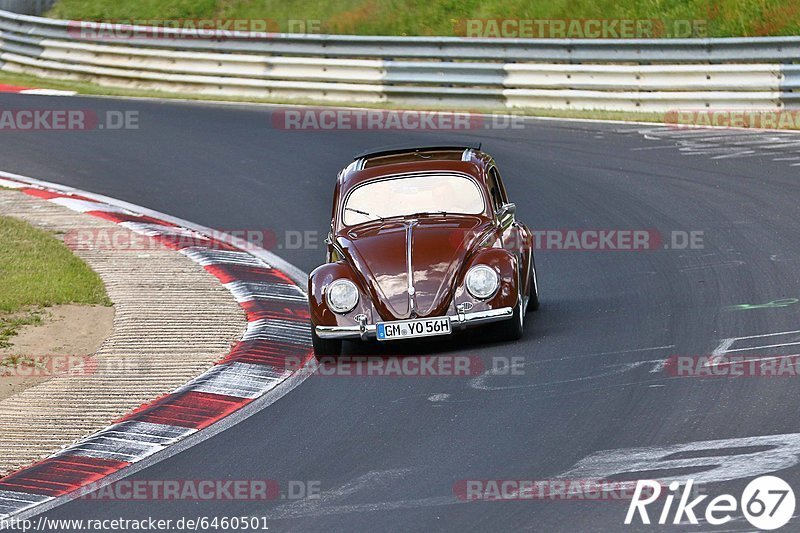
<point x="516" y="236"/>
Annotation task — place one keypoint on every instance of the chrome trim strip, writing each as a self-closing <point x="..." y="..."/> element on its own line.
<point x="412" y="301"/>
<point x="460" y="321"/>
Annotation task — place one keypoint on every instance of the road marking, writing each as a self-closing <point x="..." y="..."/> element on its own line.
<point x="13" y="502"/>
<point x="156" y="431"/>
<point x="597" y="354"/>
<point x="784" y="302"/>
<point x="245" y="291"/>
<point x="83" y="206"/>
<point x="722" y="460"/>
<point x="48" y="92"/>
<point x="129" y="441"/>
<point x="441" y="397"/>
<point x="749" y="349"/>
<point x="480" y="382"/>
<point x="156" y="230"/>
<point x="760" y="359"/>
<point x="240" y="380"/>
<point x="291" y="331"/>
<point x="725" y="144"/>
<point x="765" y="335"/>
<point x="725" y="345"/>
<point x="11" y="184"/>
<point x="207" y="257"/>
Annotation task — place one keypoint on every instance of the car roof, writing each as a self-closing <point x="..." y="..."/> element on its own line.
<point x="407" y="159"/>
<point x="411" y="149"/>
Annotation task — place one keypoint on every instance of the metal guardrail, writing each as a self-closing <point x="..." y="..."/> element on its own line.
<point x="641" y="75"/>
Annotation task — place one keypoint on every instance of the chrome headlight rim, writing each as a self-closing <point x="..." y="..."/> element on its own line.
<point x="475" y="294"/>
<point x="343" y="307"/>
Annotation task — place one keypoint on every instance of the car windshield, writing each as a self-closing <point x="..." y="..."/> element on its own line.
<point x="410" y="195"/>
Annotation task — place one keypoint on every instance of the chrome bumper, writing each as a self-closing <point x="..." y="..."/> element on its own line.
<point x="459" y="321"/>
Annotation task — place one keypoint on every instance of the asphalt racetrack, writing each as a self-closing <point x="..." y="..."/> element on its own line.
<point x="389" y="453"/>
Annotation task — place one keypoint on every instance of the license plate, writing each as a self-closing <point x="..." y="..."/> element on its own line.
<point x="410" y="329"/>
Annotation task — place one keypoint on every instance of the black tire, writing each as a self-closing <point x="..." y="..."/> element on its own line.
<point x="533" y="299"/>
<point x="325" y="347"/>
<point x="512" y="329"/>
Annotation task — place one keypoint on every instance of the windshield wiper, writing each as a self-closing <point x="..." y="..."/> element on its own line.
<point x="360" y="212"/>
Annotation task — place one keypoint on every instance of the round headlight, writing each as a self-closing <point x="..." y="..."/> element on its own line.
<point x="342" y="296"/>
<point x="482" y="281"/>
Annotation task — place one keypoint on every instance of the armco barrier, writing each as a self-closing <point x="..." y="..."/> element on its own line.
<point x="609" y="74"/>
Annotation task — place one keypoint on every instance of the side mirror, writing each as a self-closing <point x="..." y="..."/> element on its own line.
<point x="329" y="238"/>
<point x="330" y="253"/>
<point x="506" y="214"/>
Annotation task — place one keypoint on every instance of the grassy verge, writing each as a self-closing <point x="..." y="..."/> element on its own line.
<point x="37" y="271"/>
<point x="721" y="18"/>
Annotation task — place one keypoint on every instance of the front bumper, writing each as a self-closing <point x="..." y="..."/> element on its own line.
<point x="459" y="321"/>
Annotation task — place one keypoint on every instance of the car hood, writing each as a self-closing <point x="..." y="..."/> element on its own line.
<point x="437" y="248"/>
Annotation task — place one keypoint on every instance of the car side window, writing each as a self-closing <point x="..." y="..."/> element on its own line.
<point x="494" y="189"/>
<point x="501" y="186"/>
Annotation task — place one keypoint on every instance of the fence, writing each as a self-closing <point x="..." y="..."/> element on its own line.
<point x="630" y="75"/>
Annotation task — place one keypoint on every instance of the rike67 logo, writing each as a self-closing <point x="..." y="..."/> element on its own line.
<point x="767" y="503"/>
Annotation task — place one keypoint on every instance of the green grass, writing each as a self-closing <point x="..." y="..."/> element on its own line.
<point x="724" y="18"/>
<point x="10" y="324"/>
<point x="37" y="271"/>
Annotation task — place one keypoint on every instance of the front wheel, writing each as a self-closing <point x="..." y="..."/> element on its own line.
<point x="533" y="299"/>
<point x="325" y="347"/>
<point x="511" y="329"/>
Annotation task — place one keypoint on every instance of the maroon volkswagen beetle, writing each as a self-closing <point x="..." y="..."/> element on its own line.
<point x="423" y="242"/>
